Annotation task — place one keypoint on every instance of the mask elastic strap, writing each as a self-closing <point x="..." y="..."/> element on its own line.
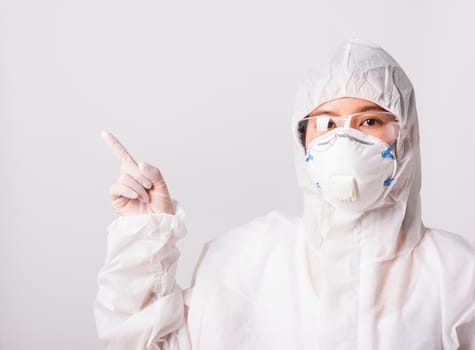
<point x="386" y="154"/>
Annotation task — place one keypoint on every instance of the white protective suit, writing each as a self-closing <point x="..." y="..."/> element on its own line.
<point x="326" y="280"/>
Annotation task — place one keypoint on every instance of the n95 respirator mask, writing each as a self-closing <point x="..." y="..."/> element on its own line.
<point x="351" y="169"/>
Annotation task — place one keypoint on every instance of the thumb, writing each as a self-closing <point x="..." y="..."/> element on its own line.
<point x="151" y="172"/>
<point x="160" y="197"/>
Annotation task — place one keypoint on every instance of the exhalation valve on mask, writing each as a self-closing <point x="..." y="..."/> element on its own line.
<point x="343" y="187"/>
<point x="351" y="169"/>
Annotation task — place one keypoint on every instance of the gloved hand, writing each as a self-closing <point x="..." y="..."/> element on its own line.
<point x="140" y="188"/>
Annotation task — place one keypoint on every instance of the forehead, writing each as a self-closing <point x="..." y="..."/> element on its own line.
<point x="346" y="105"/>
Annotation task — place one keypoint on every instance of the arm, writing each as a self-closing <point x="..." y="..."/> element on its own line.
<point x="466" y="335"/>
<point x="465" y="329"/>
<point x="138" y="304"/>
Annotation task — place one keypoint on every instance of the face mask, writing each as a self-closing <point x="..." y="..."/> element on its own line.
<point x="350" y="169"/>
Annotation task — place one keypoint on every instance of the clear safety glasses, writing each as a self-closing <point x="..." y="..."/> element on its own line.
<point x="381" y="124"/>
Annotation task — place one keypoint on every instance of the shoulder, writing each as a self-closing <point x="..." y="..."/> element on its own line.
<point x="262" y="232"/>
<point x="237" y="256"/>
<point x="452" y="254"/>
<point x="453" y="249"/>
<point x="451" y="257"/>
<point x="454" y="258"/>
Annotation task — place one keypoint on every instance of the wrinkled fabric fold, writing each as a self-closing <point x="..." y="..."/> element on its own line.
<point x="138" y="304"/>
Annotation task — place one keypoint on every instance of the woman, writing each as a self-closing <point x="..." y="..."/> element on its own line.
<point x="358" y="270"/>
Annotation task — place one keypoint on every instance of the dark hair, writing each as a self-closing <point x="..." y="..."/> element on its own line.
<point x="302" y="129"/>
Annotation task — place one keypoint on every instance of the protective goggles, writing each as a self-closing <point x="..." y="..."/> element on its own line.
<point x="381" y="124"/>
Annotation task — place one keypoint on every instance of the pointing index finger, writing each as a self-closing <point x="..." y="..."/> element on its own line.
<point x="119" y="150"/>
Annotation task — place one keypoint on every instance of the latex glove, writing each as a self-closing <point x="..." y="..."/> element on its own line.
<point x="140" y="188"/>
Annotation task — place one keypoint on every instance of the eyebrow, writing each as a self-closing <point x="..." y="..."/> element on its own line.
<point x="363" y="109"/>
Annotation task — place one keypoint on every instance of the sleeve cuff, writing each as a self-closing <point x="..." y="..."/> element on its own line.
<point x="156" y="223"/>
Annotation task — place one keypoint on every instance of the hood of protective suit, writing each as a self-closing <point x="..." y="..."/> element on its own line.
<point x="361" y="69"/>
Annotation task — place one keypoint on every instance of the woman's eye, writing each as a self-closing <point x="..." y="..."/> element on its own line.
<point x="331" y="124"/>
<point x="371" y="122"/>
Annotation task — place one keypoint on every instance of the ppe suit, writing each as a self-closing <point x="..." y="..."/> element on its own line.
<point x="330" y="279"/>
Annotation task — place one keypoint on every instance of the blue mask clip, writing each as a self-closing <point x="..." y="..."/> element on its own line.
<point x="388" y="181"/>
<point x="388" y="152"/>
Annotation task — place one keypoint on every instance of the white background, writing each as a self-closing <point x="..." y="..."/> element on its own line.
<point x="204" y="90"/>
